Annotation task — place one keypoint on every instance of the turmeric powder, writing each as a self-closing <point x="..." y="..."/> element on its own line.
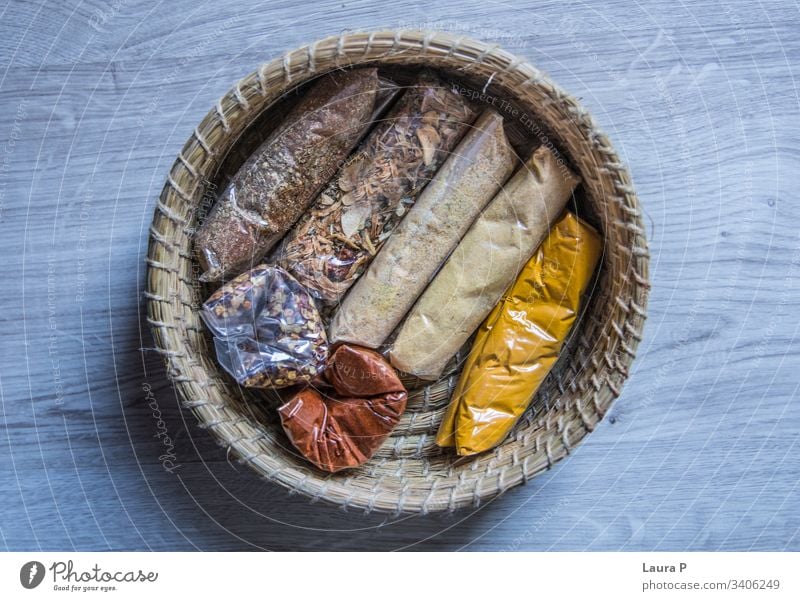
<point x="519" y="342"/>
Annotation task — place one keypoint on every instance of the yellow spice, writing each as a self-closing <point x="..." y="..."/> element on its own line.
<point x="519" y="342"/>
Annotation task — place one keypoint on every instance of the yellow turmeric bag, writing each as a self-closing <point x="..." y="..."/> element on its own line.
<point x="519" y="342"/>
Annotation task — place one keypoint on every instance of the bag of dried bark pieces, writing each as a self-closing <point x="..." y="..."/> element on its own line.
<point x="267" y="331"/>
<point x="422" y="242"/>
<point x="332" y="244"/>
<point x="345" y="423"/>
<point x="483" y="265"/>
<point x="281" y="178"/>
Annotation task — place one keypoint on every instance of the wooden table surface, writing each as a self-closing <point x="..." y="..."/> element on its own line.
<point x="699" y="452"/>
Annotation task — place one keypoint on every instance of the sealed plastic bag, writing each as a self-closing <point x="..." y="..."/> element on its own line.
<point x="467" y="181"/>
<point x="281" y="178"/>
<point x="267" y="331"/>
<point x="333" y="242"/>
<point x="347" y="420"/>
<point x="518" y="344"/>
<point x="483" y="265"/>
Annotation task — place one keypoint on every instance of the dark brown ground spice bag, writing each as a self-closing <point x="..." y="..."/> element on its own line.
<point x="281" y="178"/>
<point x="342" y="424"/>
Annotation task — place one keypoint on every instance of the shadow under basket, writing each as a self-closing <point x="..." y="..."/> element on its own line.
<point x="409" y="474"/>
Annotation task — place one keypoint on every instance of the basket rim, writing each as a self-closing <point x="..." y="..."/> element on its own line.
<point x="598" y="373"/>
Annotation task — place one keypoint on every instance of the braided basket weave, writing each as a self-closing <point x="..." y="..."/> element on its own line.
<point x="409" y="473"/>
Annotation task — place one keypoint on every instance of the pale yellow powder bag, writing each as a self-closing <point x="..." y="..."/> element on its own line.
<point x="483" y="265"/>
<point x="443" y="213"/>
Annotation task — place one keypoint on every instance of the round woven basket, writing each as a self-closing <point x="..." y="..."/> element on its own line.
<point x="409" y="473"/>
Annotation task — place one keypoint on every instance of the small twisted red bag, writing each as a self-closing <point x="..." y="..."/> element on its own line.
<point x="345" y="422"/>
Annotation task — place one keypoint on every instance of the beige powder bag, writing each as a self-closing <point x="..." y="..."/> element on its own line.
<point x="463" y="186"/>
<point x="483" y="266"/>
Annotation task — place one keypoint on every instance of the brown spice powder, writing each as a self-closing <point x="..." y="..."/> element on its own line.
<point x="280" y="179"/>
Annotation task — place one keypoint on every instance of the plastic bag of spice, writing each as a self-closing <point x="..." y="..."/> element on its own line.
<point x="467" y="181"/>
<point x="267" y="331"/>
<point x="281" y="178"/>
<point x="518" y="344"/>
<point x="332" y="243"/>
<point x="345" y="422"/>
<point x="483" y="265"/>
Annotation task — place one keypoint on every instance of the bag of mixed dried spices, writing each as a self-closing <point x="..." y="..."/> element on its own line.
<point x="267" y="331"/>
<point x="331" y="245"/>
<point x="277" y="183"/>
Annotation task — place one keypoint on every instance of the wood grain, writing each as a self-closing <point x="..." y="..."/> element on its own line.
<point x="700" y="452"/>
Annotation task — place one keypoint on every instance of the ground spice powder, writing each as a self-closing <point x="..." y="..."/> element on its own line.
<point x="344" y="422"/>
<point x="461" y="189"/>
<point x="518" y="344"/>
<point x="483" y="265"/>
<point x="281" y="178"/>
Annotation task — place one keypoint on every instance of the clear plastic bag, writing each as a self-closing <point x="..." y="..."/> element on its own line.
<point x="483" y="265"/>
<point x="427" y="235"/>
<point x="342" y="424"/>
<point x="332" y="244"/>
<point x="273" y="188"/>
<point x="267" y="330"/>
<point x="519" y="342"/>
